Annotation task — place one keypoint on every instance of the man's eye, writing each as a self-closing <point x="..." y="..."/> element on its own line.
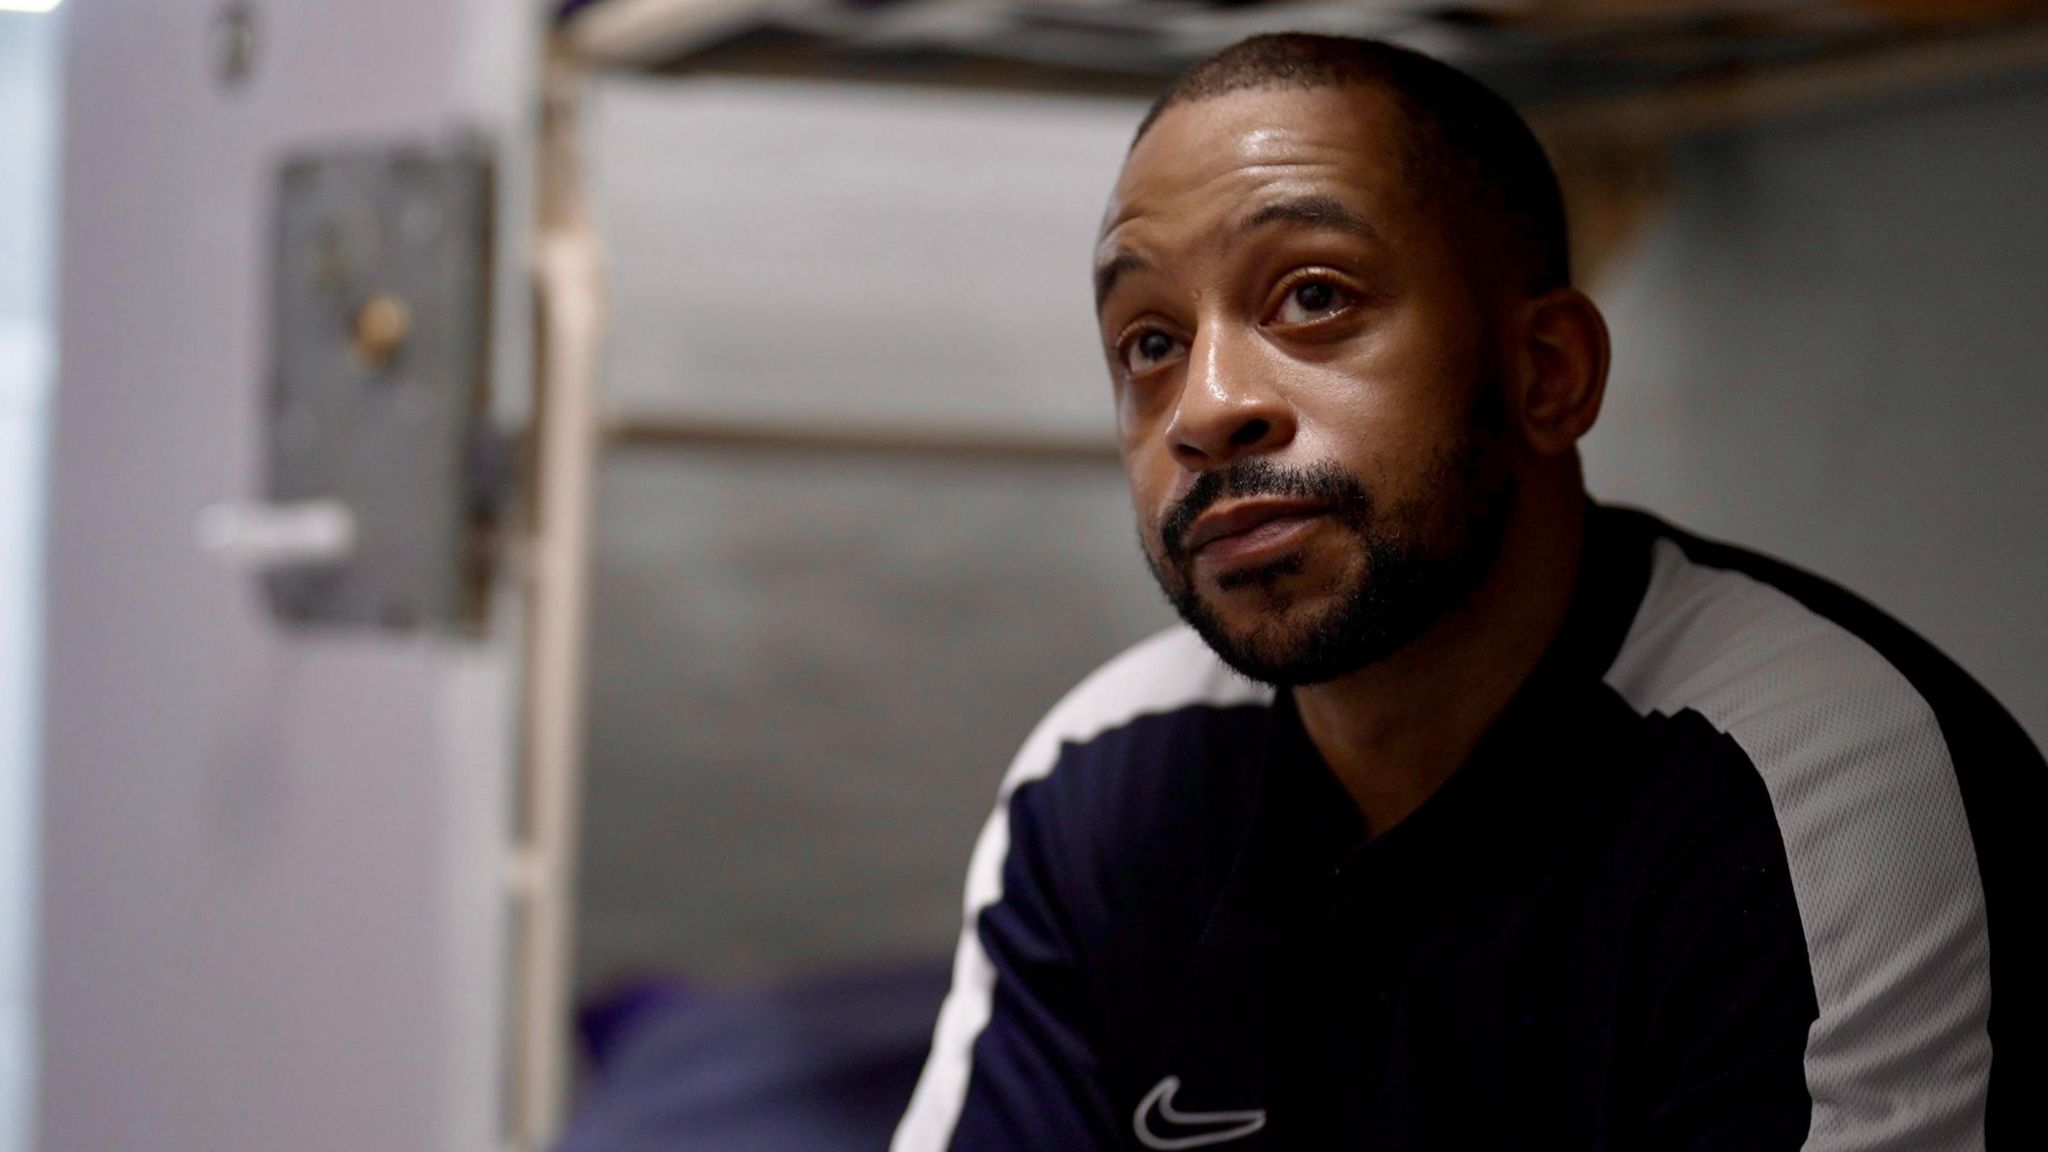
<point x="1310" y="300"/>
<point x="1148" y="350"/>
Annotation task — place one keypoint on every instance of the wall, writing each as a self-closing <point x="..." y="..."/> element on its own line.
<point x="810" y="670"/>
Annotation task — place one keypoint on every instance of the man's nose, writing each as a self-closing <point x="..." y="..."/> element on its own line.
<point x="1229" y="407"/>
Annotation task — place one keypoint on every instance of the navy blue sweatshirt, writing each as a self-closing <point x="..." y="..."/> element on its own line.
<point x="1723" y="877"/>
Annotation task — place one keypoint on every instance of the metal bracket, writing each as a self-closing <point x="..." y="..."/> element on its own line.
<point x="380" y="290"/>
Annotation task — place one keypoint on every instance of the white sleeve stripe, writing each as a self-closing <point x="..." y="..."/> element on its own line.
<point x="1170" y="671"/>
<point x="1876" y="839"/>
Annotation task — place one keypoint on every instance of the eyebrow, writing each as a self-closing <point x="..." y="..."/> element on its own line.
<point x="1312" y="211"/>
<point x="1107" y="274"/>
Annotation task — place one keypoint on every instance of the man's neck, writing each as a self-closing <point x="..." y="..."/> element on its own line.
<point x="1393" y="733"/>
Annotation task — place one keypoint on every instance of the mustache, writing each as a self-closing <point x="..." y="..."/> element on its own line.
<point x="1323" y="481"/>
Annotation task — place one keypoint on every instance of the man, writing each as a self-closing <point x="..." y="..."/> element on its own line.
<point x="1468" y="815"/>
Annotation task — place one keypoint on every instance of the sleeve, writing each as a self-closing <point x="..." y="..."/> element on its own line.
<point x="1730" y="1003"/>
<point x="1014" y="1061"/>
<point x="1821" y="973"/>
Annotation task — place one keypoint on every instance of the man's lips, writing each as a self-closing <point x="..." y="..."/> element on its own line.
<point x="1237" y="526"/>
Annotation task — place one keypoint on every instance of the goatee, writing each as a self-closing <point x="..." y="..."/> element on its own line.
<point x="1415" y="563"/>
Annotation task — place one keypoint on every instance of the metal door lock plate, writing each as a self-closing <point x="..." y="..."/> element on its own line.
<point x="378" y="394"/>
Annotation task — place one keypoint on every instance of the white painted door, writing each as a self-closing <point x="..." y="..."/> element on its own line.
<point x="273" y="874"/>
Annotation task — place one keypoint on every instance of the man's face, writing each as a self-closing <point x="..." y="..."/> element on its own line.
<point x="1307" y="391"/>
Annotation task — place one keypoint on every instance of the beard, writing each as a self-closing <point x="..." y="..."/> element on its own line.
<point x="1411" y="564"/>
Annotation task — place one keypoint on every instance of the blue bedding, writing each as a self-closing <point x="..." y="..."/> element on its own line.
<point x="825" y="1064"/>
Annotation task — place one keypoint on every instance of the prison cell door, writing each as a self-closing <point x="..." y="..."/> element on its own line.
<point x="280" y="861"/>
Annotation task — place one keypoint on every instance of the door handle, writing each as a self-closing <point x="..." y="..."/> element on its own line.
<point x="261" y="537"/>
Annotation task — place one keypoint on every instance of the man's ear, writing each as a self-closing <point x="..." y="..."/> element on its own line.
<point x="1563" y="350"/>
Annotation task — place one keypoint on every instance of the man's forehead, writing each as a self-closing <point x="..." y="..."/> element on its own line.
<point x="1210" y="157"/>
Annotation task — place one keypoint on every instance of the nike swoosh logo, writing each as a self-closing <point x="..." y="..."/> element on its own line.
<point x="1160" y="1125"/>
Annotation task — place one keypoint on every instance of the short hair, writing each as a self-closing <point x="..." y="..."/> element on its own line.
<point x="1469" y="153"/>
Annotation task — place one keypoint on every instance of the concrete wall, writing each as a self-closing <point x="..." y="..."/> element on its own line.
<point x="809" y="672"/>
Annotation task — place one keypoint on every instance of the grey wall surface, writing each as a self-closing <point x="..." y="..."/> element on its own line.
<point x="810" y="675"/>
<point x="809" y="671"/>
<point x="854" y="254"/>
